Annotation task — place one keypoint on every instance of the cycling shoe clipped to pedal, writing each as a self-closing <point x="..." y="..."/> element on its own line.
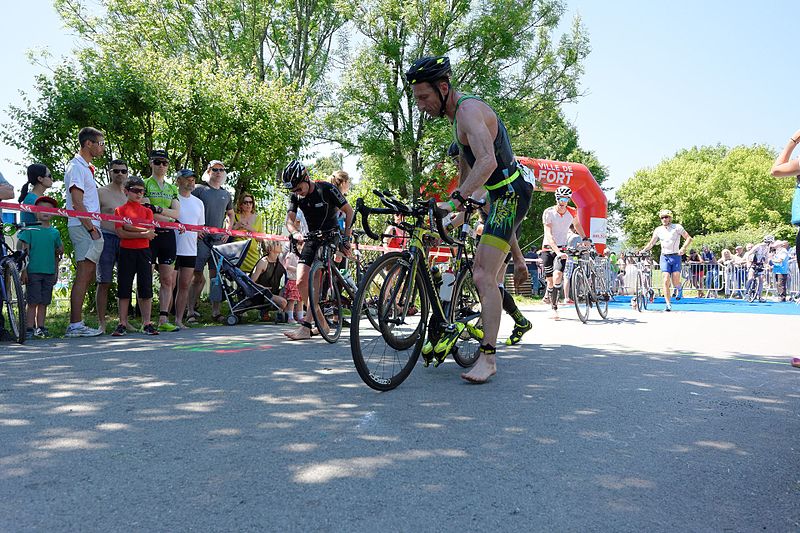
<point x="427" y="353"/>
<point x="446" y="343"/>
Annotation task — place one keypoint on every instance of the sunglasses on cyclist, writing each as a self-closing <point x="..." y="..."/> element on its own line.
<point x="564" y="199"/>
<point x="136" y="190"/>
<point x="218" y="170"/>
<point x="119" y="170"/>
<point x="161" y="162"/>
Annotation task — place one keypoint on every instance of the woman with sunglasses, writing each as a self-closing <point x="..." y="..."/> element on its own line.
<point x="39" y="180"/>
<point x="669" y="235"/>
<point x="246" y="219"/>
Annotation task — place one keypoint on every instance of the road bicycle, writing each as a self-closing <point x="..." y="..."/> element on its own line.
<point x="643" y="293"/>
<point x="416" y="314"/>
<point x="12" y="263"/>
<point x="755" y="285"/>
<point x="587" y="287"/>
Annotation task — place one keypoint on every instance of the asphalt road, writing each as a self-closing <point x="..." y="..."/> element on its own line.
<point x="646" y="422"/>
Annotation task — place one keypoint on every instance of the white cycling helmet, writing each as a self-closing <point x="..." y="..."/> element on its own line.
<point x="563" y="191"/>
<point x="769" y="239"/>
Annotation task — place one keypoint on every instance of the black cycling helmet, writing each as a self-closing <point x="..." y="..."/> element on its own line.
<point x="453" y="151"/>
<point x="294" y="174"/>
<point x="431" y="69"/>
<point x="428" y="68"/>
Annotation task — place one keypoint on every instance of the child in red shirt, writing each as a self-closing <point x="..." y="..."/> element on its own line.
<point x="134" y="258"/>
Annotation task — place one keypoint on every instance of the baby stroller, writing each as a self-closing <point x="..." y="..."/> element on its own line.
<point x="242" y="293"/>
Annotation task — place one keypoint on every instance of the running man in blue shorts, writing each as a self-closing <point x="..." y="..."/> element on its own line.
<point x="488" y="162"/>
<point x="669" y="235"/>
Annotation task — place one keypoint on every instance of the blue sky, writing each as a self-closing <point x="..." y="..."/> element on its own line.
<point x="661" y="76"/>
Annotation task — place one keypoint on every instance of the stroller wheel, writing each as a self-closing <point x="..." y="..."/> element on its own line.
<point x="232" y="320"/>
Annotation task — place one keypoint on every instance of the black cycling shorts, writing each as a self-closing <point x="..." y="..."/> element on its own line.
<point x="164" y="247"/>
<point x="508" y="207"/>
<point x="309" y="252"/>
<point x="551" y="263"/>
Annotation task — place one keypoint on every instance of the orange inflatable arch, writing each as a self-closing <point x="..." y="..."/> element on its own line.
<point x="587" y="195"/>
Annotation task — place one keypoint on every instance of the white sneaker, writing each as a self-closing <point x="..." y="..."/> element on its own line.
<point x="82" y="331"/>
<point x="668" y="307"/>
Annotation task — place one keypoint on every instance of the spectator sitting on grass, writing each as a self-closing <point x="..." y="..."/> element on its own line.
<point x="269" y="273"/>
<point x="45" y="251"/>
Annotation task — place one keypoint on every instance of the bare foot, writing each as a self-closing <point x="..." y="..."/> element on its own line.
<point x="485" y="367"/>
<point x="555" y="315"/>
<point x="298" y="334"/>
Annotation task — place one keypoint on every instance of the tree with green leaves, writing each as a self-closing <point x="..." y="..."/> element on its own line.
<point x="288" y="39"/>
<point x="197" y="111"/>
<point x="512" y="62"/>
<point x="711" y="189"/>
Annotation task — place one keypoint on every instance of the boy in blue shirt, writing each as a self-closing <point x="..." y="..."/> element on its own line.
<point x="44" y="250"/>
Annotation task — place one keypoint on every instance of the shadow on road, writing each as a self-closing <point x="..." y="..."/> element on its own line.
<point x="214" y="433"/>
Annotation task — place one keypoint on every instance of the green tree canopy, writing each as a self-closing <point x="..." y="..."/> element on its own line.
<point x="197" y="111"/>
<point x="710" y="189"/>
<point x="513" y="62"/>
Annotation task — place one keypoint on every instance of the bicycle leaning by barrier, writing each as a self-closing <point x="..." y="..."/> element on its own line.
<point x="412" y="318"/>
<point x="11" y="265"/>
<point x="643" y="293"/>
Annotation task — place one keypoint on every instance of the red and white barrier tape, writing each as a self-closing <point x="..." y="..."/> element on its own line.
<point x="58" y="211"/>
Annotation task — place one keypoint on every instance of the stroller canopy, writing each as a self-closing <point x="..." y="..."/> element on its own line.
<point x="235" y="252"/>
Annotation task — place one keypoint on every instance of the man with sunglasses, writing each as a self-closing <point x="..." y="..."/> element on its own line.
<point x="85" y="234"/>
<point x="669" y="235"/>
<point x="218" y="212"/>
<point x="319" y="201"/>
<point x="557" y="220"/>
<point x="162" y="199"/>
<point x="111" y="197"/>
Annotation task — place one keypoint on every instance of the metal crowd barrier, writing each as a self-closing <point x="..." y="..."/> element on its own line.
<point x="793" y="283"/>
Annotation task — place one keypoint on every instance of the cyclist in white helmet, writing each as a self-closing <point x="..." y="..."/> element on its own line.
<point x="557" y="219"/>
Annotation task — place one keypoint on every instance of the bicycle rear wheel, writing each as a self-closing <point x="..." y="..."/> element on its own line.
<point x="14" y="303"/>
<point x="466" y="308"/>
<point x="325" y="300"/>
<point x="580" y="290"/>
<point x="385" y="356"/>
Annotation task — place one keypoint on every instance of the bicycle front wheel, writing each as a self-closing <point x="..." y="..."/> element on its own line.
<point x="385" y="356"/>
<point x="325" y="300"/>
<point x="14" y="303"/>
<point x="639" y="300"/>
<point x="466" y="308"/>
<point x="602" y="295"/>
<point x="579" y="286"/>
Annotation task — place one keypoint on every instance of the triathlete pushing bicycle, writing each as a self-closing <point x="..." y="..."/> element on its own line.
<point x="557" y="220"/>
<point x="319" y="202"/>
<point x="485" y="148"/>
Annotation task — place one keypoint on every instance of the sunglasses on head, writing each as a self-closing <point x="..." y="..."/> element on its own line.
<point x="161" y="162"/>
<point x="136" y="190"/>
<point x="119" y="170"/>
